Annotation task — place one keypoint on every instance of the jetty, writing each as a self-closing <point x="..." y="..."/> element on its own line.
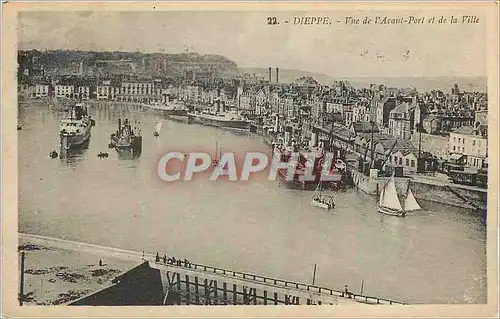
<point x="161" y="280"/>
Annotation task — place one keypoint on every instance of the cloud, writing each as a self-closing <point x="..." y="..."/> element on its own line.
<point x="247" y="39"/>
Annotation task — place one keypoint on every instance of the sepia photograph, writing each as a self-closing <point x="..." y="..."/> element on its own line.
<point x="193" y="155"/>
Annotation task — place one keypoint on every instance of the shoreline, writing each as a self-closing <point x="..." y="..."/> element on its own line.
<point x="55" y="274"/>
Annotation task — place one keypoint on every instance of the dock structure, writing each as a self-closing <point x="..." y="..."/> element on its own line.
<point x="170" y="281"/>
<point x="205" y="285"/>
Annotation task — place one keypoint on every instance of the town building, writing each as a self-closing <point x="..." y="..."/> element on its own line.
<point x="470" y="144"/>
<point x="41" y="90"/>
<point x="402" y="120"/>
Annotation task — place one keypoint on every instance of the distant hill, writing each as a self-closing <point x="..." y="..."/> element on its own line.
<point x="135" y="61"/>
<point x="478" y="84"/>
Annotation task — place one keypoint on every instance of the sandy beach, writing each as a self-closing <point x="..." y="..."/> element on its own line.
<point x="55" y="276"/>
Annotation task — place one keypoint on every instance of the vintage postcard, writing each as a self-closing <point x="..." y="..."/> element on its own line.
<point x="209" y="159"/>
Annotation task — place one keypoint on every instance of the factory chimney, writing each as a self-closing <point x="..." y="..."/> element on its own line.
<point x="270" y="75"/>
<point x="277" y="75"/>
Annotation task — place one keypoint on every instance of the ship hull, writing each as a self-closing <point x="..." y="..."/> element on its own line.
<point x="167" y="112"/>
<point x="234" y="124"/>
<point x="183" y="118"/>
<point x="132" y="146"/>
<point x="391" y="212"/>
<point x="321" y="205"/>
<point x="75" y="141"/>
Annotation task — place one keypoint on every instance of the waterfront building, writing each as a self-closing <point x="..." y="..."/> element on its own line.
<point x="102" y="92"/>
<point x="83" y="92"/>
<point x="64" y="90"/>
<point x="407" y="159"/>
<point x="41" y="90"/>
<point x="471" y="143"/>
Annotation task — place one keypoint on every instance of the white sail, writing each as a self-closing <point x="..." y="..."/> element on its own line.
<point x="410" y="202"/>
<point x="390" y="196"/>
<point x="381" y="198"/>
<point x="158" y="126"/>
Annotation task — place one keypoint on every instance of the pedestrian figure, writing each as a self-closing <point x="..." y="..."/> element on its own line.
<point x="164" y="259"/>
<point x="100" y="263"/>
<point x="346" y="291"/>
<point x="157" y="257"/>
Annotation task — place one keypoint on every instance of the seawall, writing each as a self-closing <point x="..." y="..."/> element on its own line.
<point x="448" y="194"/>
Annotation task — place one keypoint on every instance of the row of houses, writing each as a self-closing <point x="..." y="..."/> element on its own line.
<point x="104" y="90"/>
<point x="466" y="146"/>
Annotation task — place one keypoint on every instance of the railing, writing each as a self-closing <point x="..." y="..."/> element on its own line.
<point x="277" y="282"/>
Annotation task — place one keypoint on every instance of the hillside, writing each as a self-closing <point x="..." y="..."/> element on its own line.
<point x="123" y="62"/>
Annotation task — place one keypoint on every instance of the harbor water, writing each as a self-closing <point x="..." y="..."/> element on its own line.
<point x="257" y="226"/>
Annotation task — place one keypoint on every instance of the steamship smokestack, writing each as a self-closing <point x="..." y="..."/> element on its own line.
<point x="270" y="74"/>
<point x="277" y="75"/>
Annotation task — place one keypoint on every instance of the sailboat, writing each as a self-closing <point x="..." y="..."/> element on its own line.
<point x="322" y="201"/>
<point x="216" y="160"/>
<point x="390" y="204"/>
<point x="158" y="128"/>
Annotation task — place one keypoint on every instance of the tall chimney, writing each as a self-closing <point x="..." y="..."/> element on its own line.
<point x="277" y="75"/>
<point x="270" y="75"/>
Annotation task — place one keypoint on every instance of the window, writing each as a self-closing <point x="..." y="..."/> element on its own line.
<point x="400" y="161"/>
<point x="412" y="163"/>
<point x="407" y="162"/>
<point x="454" y="147"/>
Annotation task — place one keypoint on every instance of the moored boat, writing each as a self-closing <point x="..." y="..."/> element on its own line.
<point x="220" y="117"/>
<point x="168" y="108"/>
<point x="309" y="163"/>
<point x="75" y="130"/>
<point x="126" y="139"/>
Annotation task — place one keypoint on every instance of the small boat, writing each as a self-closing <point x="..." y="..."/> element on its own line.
<point x="322" y="201"/>
<point x="390" y="204"/>
<point x="158" y="129"/>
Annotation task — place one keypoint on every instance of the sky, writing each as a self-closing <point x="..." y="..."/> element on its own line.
<point x="336" y="49"/>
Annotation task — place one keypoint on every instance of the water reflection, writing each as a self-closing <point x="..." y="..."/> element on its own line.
<point x="255" y="226"/>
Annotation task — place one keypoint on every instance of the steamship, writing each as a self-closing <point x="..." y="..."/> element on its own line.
<point x="292" y="175"/>
<point x="74" y="131"/>
<point x="220" y="117"/>
<point x="126" y="139"/>
<point x="168" y="108"/>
